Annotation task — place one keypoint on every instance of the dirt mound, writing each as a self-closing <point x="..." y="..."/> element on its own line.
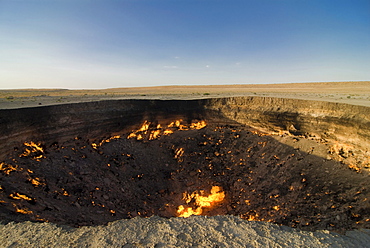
<point x="196" y="231"/>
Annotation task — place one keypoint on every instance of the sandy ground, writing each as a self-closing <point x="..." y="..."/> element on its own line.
<point x="357" y="93"/>
<point x="197" y="231"/>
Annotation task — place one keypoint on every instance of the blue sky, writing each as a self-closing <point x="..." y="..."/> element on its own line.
<point x="113" y="43"/>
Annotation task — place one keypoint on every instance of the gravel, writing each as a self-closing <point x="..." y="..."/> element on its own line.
<point x="195" y="231"/>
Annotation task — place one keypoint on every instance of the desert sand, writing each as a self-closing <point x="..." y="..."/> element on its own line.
<point x="357" y="93"/>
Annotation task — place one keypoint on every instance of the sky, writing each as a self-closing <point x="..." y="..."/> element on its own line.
<point x="88" y="44"/>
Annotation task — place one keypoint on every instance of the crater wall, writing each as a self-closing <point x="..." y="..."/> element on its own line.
<point x="339" y="122"/>
<point x="167" y="162"/>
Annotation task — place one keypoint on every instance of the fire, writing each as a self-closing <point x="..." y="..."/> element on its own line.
<point x="167" y="132"/>
<point x="20" y="210"/>
<point x="179" y="152"/>
<point x="354" y="167"/>
<point x="23" y="211"/>
<point x="215" y="197"/>
<point x="109" y="139"/>
<point x="253" y="217"/>
<point x="198" y="125"/>
<point x="277" y="208"/>
<point x="175" y="123"/>
<point x="64" y="192"/>
<point x="95" y="145"/>
<point x="144" y="127"/>
<point x="7" y="168"/>
<point x="36" y="182"/>
<point x="35" y="149"/>
<point x="34" y="146"/>
<point x="18" y="196"/>
<point x="142" y="130"/>
<point x="186" y="212"/>
<point x="194" y="125"/>
<point x="152" y="132"/>
<point x="155" y="134"/>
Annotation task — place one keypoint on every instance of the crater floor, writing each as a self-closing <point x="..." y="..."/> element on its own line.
<point x="83" y="183"/>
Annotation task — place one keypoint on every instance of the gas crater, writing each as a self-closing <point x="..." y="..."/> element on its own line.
<point x="298" y="163"/>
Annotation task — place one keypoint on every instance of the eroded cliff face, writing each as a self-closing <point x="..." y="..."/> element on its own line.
<point x="93" y="120"/>
<point x="343" y="123"/>
<point x="334" y="122"/>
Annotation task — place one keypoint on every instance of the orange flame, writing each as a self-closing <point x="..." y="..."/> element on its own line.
<point x="167" y="132"/>
<point x="95" y="146"/>
<point x="142" y="130"/>
<point x="175" y="123"/>
<point x="198" y="125"/>
<point x="23" y="211"/>
<point x="277" y="208"/>
<point x="201" y="201"/>
<point x="109" y="139"/>
<point x="253" y="217"/>
<point x="35" y="148"/>
<point x="36" y="182"/>
<point x="144" y="127"/>
<point x="179" y="152"/>
<point x="152" y="133"/>
<point x="7" y="168"/>
<point x="18" y="196"/>
<point x="156" y="133"/>
<point x="20" y="210"/>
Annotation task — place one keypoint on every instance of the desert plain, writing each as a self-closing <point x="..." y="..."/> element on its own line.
<point x="357" y="93"/>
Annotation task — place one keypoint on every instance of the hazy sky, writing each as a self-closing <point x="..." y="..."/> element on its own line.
<point x="120" y="43"/>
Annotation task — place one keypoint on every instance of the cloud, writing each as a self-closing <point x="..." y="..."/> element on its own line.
<point x="170" y="67"/>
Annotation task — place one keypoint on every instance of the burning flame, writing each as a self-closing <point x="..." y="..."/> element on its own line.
<point x="35" y="149"/>
<point x="277" y="208"/>
<point x="198" y="125"/>
<point x="167" y="132"/>
<point x="142" y="130"/>
<point x="354" y="167"/>
<point x="95" y="145"/>
<point x="201" y="201"/>
<point x="144" y="127"/>
<point x="36" y="182"/>
<point x="18" y="196"/>
<point x="155" y="134"/>
<point x="147" y="130"/>
<point x="253" y="217"/>
<point x="179" y="152"/>
<point x="7" y="168"/>
<point x="20" y="210"/>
